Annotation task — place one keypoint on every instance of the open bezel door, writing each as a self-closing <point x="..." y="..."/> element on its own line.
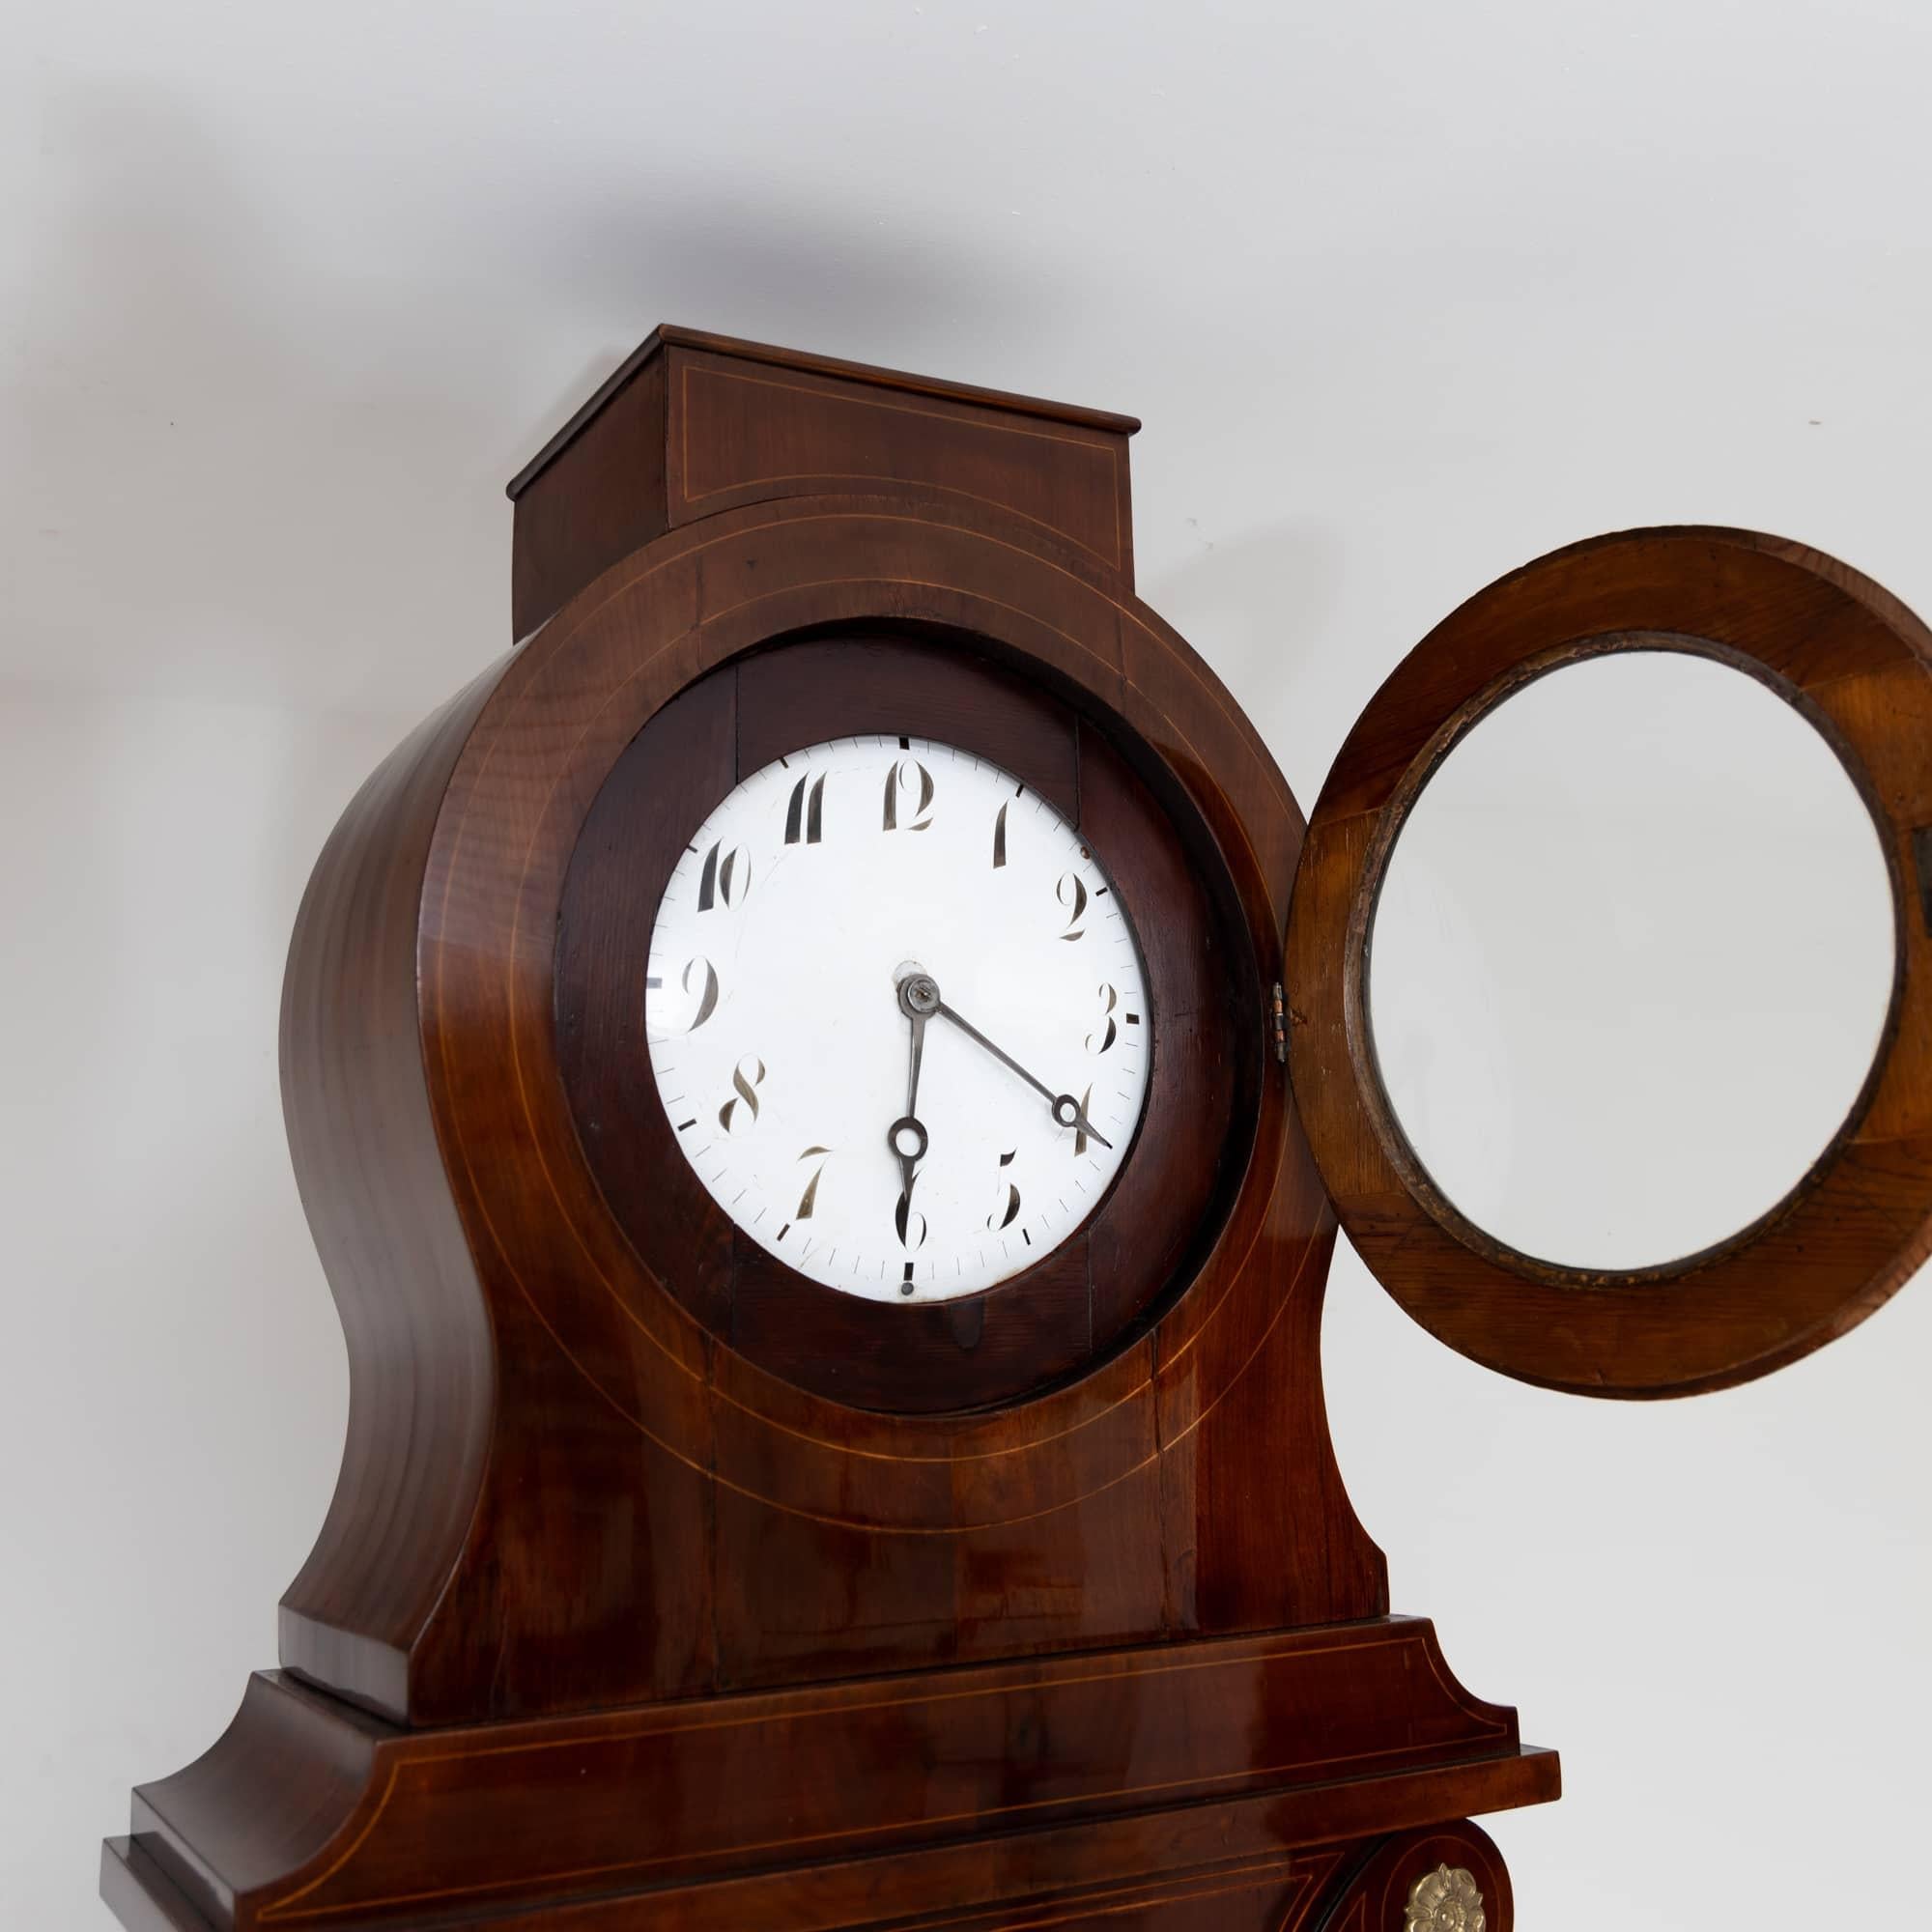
<point x="1859" y="665"/>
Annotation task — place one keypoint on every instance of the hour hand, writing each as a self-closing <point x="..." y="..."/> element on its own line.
<point x="907" y="1136"/>
<point x="907" y="1139"/>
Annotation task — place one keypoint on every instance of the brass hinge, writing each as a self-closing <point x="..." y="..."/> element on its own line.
<point x="1277" y="1017"/>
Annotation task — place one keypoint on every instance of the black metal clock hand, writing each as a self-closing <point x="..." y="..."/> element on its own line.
<point x="920" y="991"/>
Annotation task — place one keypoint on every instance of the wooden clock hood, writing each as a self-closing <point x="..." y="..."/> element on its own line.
<point x="622" y="1615"/>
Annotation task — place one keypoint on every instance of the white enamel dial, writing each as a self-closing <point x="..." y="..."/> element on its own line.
<point x="841" y="903"/>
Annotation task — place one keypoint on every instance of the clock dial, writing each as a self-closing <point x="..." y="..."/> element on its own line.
<point x="897" y="1017"/>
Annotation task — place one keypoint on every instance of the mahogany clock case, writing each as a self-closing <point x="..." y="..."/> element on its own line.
<point x="1164" y="1207"/>
<point x="661" y="1589"/>
<point x="640" y="1601"/>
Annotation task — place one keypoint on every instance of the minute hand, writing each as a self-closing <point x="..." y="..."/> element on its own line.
<point x="1065" y="1109"/>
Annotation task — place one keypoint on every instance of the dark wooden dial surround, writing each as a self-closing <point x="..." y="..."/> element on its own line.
<point x="1164" y="1207"/>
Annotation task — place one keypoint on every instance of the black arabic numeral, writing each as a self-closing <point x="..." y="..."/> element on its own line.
<point x="727" y="877"/>
<point x="1109" y="1000"/>
<point x="1006" y="1208"/>
<point x="742" y="1109"/>
<point x="908" y="782"/>
<point x="909" y="1221"/>
<point x="1072" y="893"/>
<point x="700" y="971"/>
<point x="805" y="814"/>
<point x="809" y="1200"/>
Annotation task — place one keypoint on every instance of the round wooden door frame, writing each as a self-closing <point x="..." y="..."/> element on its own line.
<point x="1859" y="665"/>
<point x="543" y="742"/>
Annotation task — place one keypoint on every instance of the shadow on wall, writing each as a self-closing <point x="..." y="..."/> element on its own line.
<point x="809" y="277"/>
<point x="263" y="443"/>
<point x="1257" y="607"/>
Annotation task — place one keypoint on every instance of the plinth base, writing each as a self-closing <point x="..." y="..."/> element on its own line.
<point x="1248" y="1780"/>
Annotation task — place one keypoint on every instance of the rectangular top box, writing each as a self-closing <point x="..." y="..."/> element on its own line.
<point x="694" y="424"/>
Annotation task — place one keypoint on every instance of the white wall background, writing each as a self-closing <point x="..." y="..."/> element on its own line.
<point x="1407" y="294"/>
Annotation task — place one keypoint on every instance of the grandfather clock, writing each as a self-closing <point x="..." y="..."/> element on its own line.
<point x="823" y="1082"/>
